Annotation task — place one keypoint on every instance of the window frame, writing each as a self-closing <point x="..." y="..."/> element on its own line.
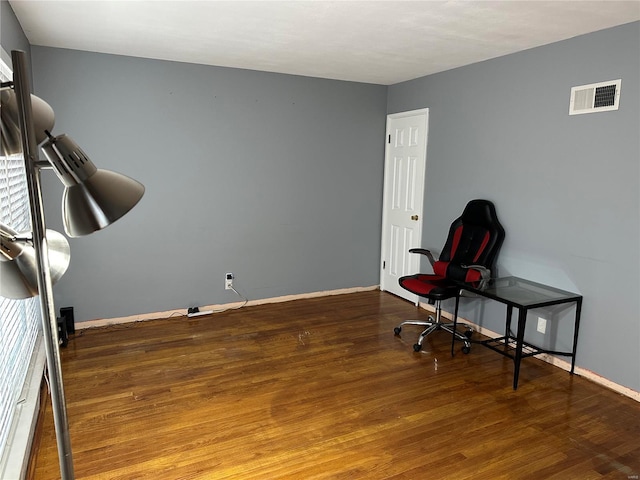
<point x="22" y="356"/>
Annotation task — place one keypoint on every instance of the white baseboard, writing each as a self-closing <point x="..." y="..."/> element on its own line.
<point x="103" y="322"/>
<point x="555" y="361"/>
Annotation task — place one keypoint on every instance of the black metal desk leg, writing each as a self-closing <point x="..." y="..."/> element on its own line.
<point x="507" y="330"/>
<point x="522" y="321"/>
<point x="576" y="327"/>
<point x="455" y="325"/>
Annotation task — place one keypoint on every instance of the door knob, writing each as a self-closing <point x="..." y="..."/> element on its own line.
<point x="414" y="217"/>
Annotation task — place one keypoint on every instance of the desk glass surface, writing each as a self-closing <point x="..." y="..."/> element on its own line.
<point x="525" y="293"/>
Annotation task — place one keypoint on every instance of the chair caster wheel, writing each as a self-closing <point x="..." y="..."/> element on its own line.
<point x="468" y="333"/>
<point x="397" y="330"/>
<point x="466" y="350"/>
<point x="417" y="347"/>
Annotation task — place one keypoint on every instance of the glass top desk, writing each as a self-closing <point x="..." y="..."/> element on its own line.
<point x="523" y="295"/>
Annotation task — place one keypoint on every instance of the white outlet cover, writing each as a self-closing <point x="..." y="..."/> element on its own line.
<point x="542" y="325"/>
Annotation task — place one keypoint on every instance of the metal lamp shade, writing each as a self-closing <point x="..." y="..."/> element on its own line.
<point x="98" y="202"/>
<point x="18" y="265"/>
<point x="43" y="120"/>
<point x="93" y="198"/>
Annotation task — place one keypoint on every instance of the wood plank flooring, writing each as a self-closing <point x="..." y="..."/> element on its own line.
<point x="322" y="389"/>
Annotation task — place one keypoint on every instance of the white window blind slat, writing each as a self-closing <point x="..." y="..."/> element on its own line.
<point x="19" y="319"/>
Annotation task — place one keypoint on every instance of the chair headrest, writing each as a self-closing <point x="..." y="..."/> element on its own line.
<point x="480" y="212"/>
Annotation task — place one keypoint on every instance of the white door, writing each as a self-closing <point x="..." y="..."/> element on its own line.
<point x="404" y="178"/>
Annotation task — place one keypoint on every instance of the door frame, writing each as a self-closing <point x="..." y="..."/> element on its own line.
<point x="415" y="262"/>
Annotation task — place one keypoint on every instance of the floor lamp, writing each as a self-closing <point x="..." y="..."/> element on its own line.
<point x="92" y="200"/>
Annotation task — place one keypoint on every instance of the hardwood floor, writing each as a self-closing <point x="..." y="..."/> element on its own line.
<point x="322" y="389"/>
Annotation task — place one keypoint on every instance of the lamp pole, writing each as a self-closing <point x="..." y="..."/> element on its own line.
<point x="49" y="321"/>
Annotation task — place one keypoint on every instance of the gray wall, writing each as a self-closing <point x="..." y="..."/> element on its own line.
<point x="11" y="35"/>
<point x="566" y="188"/>
<point x="275" y="178"/>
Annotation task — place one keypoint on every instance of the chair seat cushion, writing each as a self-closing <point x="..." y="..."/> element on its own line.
<point x="457" y="272"/>
<point x="433" y="287"/>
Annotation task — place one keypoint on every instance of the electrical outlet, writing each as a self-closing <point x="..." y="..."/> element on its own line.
<point x="228" y="281"/>
<point x="542" y="325"/>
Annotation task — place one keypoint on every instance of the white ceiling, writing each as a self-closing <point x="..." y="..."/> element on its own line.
<point x="381" y="42"/>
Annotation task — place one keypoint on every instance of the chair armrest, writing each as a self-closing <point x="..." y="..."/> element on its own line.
<point x="485" y="273"/>
<point x="424" y="251"/>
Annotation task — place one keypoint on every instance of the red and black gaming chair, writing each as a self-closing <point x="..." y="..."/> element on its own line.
<point x="469" y="255"/>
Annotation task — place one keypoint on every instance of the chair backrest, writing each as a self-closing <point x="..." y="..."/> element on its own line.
<point x="474" y="239"/>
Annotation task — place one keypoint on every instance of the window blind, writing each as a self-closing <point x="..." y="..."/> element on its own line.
<point x="19" y="319"/>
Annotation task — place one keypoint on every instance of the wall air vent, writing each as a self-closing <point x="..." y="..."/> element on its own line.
<point x="596" y="97"/>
